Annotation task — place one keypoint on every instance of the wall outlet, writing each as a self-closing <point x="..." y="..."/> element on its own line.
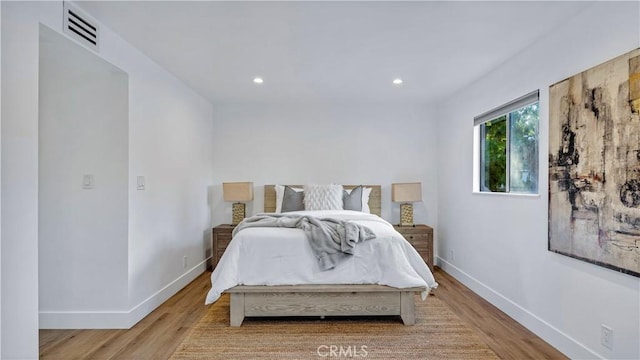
<point x="452" y="255"/>
<point x="606" y="336"/>
<point x="184" y="262"/>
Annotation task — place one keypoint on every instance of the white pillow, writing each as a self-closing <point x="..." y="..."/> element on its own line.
<point x="280" y="196"/>
<point x="366" y="192"/>
<point x="365" y="200"/>
<point x="323" y="197"/>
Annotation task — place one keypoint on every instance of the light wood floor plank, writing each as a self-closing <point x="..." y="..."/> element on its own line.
<point x="505" y="336"/>
<point x="160" y="333"/>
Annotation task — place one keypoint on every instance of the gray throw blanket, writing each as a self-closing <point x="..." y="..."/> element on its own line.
<point x="332" y="240"/>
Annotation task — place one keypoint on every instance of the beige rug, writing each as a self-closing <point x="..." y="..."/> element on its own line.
<point x="437" y="334"/>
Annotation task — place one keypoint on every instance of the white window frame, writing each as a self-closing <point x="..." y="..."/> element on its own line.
<point x="525" y="100"/>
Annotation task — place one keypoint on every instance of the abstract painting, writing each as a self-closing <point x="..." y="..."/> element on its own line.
<point x="594" y="165"/>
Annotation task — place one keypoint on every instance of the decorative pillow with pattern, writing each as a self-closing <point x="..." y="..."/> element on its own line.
<point x="323" y="197"/>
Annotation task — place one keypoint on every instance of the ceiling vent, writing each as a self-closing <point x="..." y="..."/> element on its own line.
<point x="81" y="27"/>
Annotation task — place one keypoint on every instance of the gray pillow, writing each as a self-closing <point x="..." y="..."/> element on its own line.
<point x="352" y="201"/>
<point x="292" y="200"/>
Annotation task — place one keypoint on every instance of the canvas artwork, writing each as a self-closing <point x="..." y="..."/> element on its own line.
<point x="594" y="165"/>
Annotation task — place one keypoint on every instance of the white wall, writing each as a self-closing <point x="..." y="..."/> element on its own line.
<point x="0" y="182"/>
<point x="500" y="242"/>
<point x="169" y="143"/>
<point x="323" y="143"/>
<point x="170" y="129"/>
<point x="20" y="179"/>
<point x="83" y="129"/>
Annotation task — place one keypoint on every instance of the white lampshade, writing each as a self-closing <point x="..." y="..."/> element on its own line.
<point x="406" y="192"/>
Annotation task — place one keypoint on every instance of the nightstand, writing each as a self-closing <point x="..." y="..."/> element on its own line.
<point x="421" y="237"/>
<point x="221" y="236"/>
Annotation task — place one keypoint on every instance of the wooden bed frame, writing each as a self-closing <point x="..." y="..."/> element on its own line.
<point x="322" y="300"/>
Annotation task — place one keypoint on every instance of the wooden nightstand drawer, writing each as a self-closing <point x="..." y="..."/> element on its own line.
<point x="221" y="237"/>
<point x="421" y="237"/>
<point x="423" y="251"/>
<point x="417" y="240"/>
<point x="223" y="240"/>
<point x="417" y="229"/>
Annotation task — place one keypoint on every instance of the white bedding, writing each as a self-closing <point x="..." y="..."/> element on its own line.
<point x="283" y="256"/>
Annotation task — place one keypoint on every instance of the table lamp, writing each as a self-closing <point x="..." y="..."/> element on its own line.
<point x="237" y="192"/>
<point x="406" y="194"/>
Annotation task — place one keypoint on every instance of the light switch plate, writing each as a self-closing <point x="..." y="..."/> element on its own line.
<point x="87" y="181"/>
<point x="141" y="183"/>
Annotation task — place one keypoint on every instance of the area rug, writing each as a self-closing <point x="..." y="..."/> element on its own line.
<point x="437" y="334"/>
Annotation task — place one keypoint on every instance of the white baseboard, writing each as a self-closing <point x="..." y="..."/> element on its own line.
<point x="558" y="339"/>
<point x="118" y="319"/>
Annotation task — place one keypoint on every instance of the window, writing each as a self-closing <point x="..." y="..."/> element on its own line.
<point x="507" y="147"/>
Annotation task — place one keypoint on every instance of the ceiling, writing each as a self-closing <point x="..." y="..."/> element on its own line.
<point x="330" y="51"/>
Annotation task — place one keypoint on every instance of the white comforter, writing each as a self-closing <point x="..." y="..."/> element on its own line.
<point x="283" y="256"/>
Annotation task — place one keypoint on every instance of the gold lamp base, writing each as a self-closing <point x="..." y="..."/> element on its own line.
<point x="406" y="214"/>
<point x="238" y="213"/>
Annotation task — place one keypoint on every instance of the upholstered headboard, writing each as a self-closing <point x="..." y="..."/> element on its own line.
<point x="375" y="202"/>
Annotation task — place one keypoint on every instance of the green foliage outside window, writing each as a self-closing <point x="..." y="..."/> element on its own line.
<point x="495" y="154"/>
<point x="510" y="146"/>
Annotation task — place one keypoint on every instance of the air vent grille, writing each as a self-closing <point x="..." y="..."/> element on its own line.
<point x="81" y="27"/>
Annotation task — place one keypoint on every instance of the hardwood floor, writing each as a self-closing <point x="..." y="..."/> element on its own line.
<point x="505" y="336"/>
<point x="155" y="337"/>
<point x="159" y="334"/>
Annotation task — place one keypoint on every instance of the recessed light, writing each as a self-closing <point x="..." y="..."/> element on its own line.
<point x="258" y="80"/>
<point x="397" y="81"/>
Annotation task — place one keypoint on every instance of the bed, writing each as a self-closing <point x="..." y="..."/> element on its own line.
<point x="270" y="272"/>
